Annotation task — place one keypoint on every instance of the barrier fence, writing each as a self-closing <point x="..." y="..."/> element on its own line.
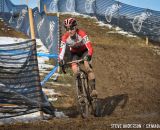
<point x="20" y="85"/>
<point x="20" y="88"/>
<point x="45" y="26"/>
<point x="140" y="21"/>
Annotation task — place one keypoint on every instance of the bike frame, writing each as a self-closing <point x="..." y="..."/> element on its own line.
<point x="83" y="91"/>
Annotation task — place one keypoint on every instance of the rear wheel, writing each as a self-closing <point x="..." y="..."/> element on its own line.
<point x="83" y="103"/>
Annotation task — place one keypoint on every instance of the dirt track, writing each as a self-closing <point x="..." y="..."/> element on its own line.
<point x="128" y="80"/>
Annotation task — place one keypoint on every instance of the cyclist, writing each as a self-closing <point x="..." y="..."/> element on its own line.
<point x="80" y="47"/>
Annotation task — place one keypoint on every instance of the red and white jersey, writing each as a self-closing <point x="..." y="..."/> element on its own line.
<point x="77" y="44"/>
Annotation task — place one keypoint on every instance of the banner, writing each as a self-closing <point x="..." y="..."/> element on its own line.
<point x="139" y="21"/>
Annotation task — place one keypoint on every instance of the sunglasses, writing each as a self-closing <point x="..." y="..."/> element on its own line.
<point x="70" y="28"/>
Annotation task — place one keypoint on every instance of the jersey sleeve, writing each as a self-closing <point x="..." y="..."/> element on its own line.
<point x="90" y="49"/>
<point x="87" y="43"/>
<point x="62" y="47"/>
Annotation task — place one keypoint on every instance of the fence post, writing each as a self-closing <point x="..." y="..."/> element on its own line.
<point x="118" y="13"/>
<point x="27" y="2"/>
<point x="146" y="40"/>
<point x="38" y="5"/>
<point x="31" y="22"/>
<point x="45" y="9"/>
<point x="59" y="37"/>
<point x="95" y="12"/>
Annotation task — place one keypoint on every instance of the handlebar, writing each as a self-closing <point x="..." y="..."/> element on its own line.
<point x="68" y="63"/>
<point x="75" y="61"/>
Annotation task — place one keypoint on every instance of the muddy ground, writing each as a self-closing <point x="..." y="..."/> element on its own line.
<point x="128" y="80"/>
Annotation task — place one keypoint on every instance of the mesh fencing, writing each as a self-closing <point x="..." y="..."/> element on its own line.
<point x="20" y="89"/>
<point x="140" y="21"/>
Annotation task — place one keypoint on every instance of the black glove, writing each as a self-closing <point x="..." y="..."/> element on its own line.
<point x="87" y="58"/>
<point x="61" y="63"/>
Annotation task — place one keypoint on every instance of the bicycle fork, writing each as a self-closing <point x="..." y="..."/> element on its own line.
<point x="80" y="90"/>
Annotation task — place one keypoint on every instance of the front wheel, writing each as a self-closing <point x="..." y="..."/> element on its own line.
<point x="85" y="105"/>
<point x="84" y="109"/>
<point x="83" y="102"/>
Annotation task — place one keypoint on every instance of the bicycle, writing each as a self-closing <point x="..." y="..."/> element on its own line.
<point x="87" y="103"/>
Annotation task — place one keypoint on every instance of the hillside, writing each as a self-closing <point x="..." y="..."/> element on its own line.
<point x="127" y="76"/>
<point x="6" y="30"/>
